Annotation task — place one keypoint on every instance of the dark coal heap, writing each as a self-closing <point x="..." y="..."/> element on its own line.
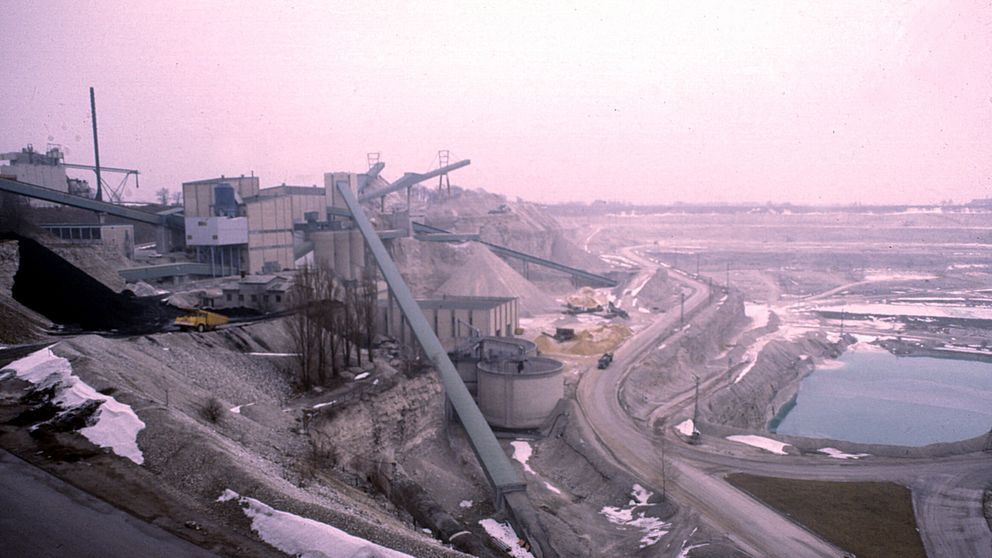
<point x="66" y="295"/>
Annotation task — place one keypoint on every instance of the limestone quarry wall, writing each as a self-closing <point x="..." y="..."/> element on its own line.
<point x="380" y="426"/>
<point x="771" y="383"/>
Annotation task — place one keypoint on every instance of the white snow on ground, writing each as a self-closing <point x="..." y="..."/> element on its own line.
<point x="685" y="427"/>
<point x="929" y="310"/>
<point x="652" y="527"/>
<point x="504" y="533"/>
<point x="275" y="354"/>
<point x="767" y="444"/>
<point x="465" y="504"/>
<point x="522" y="452"/>
<point x="758" y="313"/>
<point x="751" y="356"/>
<point x="116" y="425"/>
<point x="643" y="310"/>
<point x="637" y="290"/>
<point x="837" y="454"/>
<point x="362" y="376"/>
<point x="684" y="552"/>
<point x="888" y="275"/>
<point x="299" y="536"/>
<point x="237" y="410"/>
<point x="327" y="404"/>
<point x="552" y="487"/>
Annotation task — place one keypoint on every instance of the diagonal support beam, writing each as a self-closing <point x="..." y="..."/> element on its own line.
<point x="500" y="472"/>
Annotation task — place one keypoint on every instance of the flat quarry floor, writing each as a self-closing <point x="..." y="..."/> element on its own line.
<point x="868" y="519"/>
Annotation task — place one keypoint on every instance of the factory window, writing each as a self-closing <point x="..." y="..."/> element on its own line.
<point x="254" y="298"/>
<point x="265" y="298"/>
<point x="229" y="297"/>
<point x="241" y="298"/>
<point x="278" y="298"/>
<point x="215" y="237"/>
<point x="201" y="223"/>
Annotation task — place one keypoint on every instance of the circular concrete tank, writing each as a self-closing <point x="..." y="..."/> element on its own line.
<point x="488" y="348"/>
<point x="511" y="396"/>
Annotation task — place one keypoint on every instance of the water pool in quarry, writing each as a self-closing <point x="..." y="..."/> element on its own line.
<point x="872" y="396"/>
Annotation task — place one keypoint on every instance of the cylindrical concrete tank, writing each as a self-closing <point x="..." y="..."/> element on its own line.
<point x="514" y="396"/>
<point x="357" y="245"/>
<point x="496" y="348"/>
<point x="342" y="254"/>
<point x="323" y="248"/>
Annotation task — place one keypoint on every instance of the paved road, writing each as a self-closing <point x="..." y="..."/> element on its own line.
<point x="946" y="491"/>
<point x="42" y="516"/>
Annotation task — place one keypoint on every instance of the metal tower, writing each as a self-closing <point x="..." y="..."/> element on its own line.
<point x="443" y="157"/>
<point x="373" y="158"/>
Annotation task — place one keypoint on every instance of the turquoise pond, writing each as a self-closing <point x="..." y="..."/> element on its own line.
<point x="872" y="396"/>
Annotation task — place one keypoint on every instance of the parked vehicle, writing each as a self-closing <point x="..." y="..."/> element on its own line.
<point x="201" y="320"/>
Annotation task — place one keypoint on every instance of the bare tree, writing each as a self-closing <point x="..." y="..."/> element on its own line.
<point x="162" y="194"/>
<point x="177" y="198"/>
<point x="312" y="325"/>
<point x="370" y="306"/>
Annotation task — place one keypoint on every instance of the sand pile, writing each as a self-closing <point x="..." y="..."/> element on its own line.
<point x="593" y="341"/>
<point x="588" y="297"/>
<point x="657" y="291"/>
<point x="482" y="273"/>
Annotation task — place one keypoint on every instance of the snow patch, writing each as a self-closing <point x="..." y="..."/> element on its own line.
<point x="522" y="452"/>
<point x="299" y="536"/>
<point x="758" y="313"/>
<point x="651" y="527"/>
<point x="322" y="405"/>
<point x="837" y="454"/>
<point x="504" y="534"/>
<point x="275" y="354"/>
<point x="465" y="504"/>
<point x="686" y="427"/>
<point x="767" y="444"/>
<point x="362" y="376"/>
<point x="237" y="410"/>
<point x="116" y="425"/>
<point x="552" y="487"/>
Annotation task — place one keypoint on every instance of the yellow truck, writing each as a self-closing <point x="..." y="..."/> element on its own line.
<point x="201" y="320"/>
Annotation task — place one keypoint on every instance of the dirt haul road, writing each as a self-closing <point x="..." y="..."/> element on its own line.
<point x="947" y="491"/>
<point x="754" y="527"/>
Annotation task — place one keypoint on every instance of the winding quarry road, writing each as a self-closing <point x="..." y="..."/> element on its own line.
<point x="947" y="492"/>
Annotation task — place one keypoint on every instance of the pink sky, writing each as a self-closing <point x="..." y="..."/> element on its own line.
<point x="818" y="102"/>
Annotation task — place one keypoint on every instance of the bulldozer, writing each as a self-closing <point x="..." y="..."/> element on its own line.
<point x="201" y="320"/>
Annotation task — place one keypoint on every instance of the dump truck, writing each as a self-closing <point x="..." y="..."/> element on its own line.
<point x="605" y="361"/>
<point x="201" y="320"/>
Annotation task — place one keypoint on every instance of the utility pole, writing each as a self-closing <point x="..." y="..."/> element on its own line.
<point x="728" y="277"/>
<point x="695" y="408"/>
<point x="96" y="147"/>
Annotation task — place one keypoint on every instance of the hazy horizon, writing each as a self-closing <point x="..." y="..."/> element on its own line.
<point x="812" y="103"/>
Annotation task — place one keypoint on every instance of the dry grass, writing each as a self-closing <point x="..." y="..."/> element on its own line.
<point x="865" y="518"/>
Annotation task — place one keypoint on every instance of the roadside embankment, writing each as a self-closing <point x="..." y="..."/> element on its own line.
<point x="771" y="382"/>
<point x="670" y="367"/>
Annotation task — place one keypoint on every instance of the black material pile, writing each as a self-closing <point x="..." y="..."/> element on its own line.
<point x="66" y="295"/>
